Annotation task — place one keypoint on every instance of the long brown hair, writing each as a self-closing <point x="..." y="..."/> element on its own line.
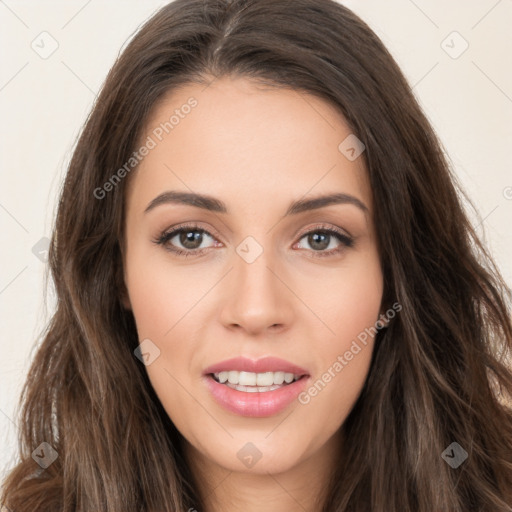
<point x="438" y="374"/>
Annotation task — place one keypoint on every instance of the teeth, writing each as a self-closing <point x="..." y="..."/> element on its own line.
<point x="255" y="379"/>
<point x="253" y="389"/>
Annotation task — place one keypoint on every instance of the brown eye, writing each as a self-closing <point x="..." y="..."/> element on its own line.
<point x="185" y="240"/>
<point x="190" y="239"/>
<point x="319" y="241"/>
<point x="326" y="242"/>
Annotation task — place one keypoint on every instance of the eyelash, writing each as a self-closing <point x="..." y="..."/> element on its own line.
<point x="163" y="239"/>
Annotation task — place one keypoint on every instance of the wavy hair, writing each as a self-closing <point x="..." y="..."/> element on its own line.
<point x="439" y="373"/>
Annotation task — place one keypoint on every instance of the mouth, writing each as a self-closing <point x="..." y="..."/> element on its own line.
<point x="245" y="374"/>
<point x="251" y="382"/>
<point x="255" y="388"/>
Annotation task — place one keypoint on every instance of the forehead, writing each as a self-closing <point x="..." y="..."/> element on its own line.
<point x="240" y="139"/>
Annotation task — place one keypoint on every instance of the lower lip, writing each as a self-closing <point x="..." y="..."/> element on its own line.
<point x="257" y="404"/>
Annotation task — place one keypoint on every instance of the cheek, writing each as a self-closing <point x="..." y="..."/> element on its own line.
<point x="160" y="295"/>
<point x="348" y="305"/>
<point x="346" y="301"/>
<point x="332" y="393"/>
<point x="166" y="304"/>
<point x="160" y="299"/>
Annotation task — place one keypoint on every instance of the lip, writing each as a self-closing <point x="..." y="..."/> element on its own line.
<point x="265" y="364"/>
<point x="258" y="404"/>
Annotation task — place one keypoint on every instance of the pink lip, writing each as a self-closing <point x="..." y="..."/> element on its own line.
<point x="265" y="364"/>
<point x="257" y="404"/>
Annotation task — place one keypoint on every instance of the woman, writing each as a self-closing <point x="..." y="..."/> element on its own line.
<point x="269" y="294"/>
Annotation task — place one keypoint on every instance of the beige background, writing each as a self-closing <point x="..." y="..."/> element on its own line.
<point x="44" y="101"/>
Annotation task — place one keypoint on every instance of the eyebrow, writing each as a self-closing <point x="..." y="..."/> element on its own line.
<point x="215" y="205"/>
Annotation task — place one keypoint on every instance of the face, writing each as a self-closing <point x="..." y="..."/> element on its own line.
<point x="255" y="270"/>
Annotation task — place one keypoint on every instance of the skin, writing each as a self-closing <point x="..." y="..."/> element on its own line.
<point x="257" y="149"/>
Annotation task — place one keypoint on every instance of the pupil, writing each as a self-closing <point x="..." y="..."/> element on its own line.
<point x="319" y="240"/>
<point x="189" y="239"/>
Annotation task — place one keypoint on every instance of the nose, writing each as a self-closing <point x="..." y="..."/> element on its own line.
<point x="257" y="297"/>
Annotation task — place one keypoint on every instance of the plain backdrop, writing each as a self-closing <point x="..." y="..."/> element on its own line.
<point x="55" y="56"/>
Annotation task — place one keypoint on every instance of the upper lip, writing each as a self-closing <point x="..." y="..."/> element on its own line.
<point x="265" y="364"/>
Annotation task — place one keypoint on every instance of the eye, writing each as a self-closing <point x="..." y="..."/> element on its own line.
<point x="322" y="238"/>
<point x="185" y="240"/>
<point x="188" y="240"/>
